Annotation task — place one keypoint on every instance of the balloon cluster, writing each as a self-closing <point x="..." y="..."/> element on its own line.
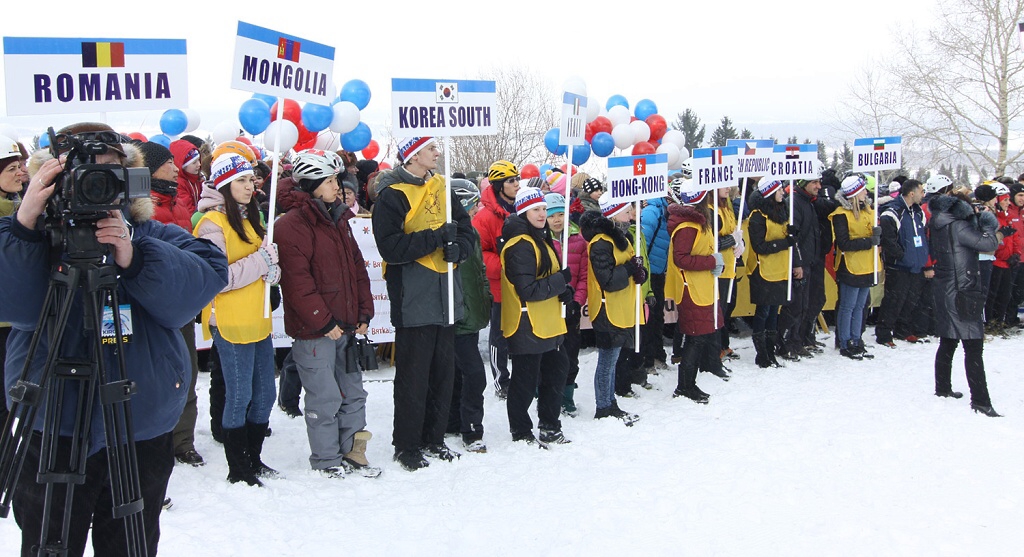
<point x="174" y="122"/>
<point x="612" y="127"/>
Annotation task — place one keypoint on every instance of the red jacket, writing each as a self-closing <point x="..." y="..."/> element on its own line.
<point x="166" y="208"/>
<point x="1011" y="244"/>
<point x="323" y="275"/>
<point x="488" y="222"/>
<point x="1017" y="221"/>
<point x="190" y="186"/>
<point x="579" y="263"/>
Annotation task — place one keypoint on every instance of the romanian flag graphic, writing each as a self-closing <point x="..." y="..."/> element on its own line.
<point x="102" y="55"/>
<point x="288" y="49"/>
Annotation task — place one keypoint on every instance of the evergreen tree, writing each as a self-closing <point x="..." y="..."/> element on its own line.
<point x="723" y="133"/>
<point x="964" y="177"/>
<point x="792" y="140"/>
<point x="822" y="155"/>
<point x="746" y="134"/>
<point x="847" y="161"/>
<point x="922" y="175"/>
<point x="689" y="123"/>
<point x="834" y="165"/>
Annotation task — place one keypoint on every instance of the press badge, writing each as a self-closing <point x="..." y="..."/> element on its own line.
<point x="917" y="242"/>
<point x="124" y="314"/>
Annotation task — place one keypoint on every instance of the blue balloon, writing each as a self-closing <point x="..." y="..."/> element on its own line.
<point x="543" y="170"/>
<point x="357" y="92"/>
<point x="316" y="117"/>
<point x="269" y="99"/>
<point x="173" y="121"/>
<point x="357" y="139"/>
<point x="254" y="115"/>
<point x="580" y="153"/>
<point x="616" y="100"/>
<point x="644" y="108"/>
<point x="44" y="141"/>
<point x="551" y="142"/>
<point x="160" y="139"/>
<point x="602" y="143"/>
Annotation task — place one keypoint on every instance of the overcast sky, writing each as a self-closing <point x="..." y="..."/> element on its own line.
<point x="757" y="62"/>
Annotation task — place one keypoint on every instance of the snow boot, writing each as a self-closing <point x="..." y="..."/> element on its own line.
<point x="255" y="435"/>
<point x="568" y="404"/>
<point x="850" y="351"/>
<point x="354" y="461"/>
<point x="862" y="350"/>
<point x="553" y="436"/>
<point x="411" y="459"/>
<point x="771" y="339"/>
<point x="614" y="411"/>
<point x="236" y="452"/>
<point x="440" y="451"/>
<point x="761" y="359"/>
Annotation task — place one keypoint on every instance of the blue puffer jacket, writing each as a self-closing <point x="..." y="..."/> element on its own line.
<point x="654" y="225"/>
<point x="171" y="278"/>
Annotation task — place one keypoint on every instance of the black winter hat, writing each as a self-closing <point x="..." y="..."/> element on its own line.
<point x="829" y="179"/>
<point x="155" y="155"/>
<point x="984" y="193"/>
<point x="1015" y="189"/>
<point x="590" y="185"/>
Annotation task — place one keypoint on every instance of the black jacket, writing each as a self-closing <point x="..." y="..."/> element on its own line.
<point x="610" y="276"/>
<point x="761" y="291"/>
<point x="521" y="269"/>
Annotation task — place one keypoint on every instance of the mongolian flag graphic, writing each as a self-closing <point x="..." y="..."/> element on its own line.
<point x="288" y="49"/>
<point x="102" y="55"/>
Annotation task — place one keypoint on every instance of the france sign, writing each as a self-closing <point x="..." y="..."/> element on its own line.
<point x="754" y="156"/>
<point x="69" y="76"/>
<point x="443" y="107"/>
<point x="795" y="162"/>
<point x="877" y="153"/>
<point x="637" y="177"/>
<point x="714" y="168"/>
<point x="282" y="65"/>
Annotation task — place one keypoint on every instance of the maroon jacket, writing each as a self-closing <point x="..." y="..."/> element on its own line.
<point x="693" y="319"/>
<point x="323" y="275"/>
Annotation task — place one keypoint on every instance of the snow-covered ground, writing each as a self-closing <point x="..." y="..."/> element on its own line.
<point x="823" y="457"/>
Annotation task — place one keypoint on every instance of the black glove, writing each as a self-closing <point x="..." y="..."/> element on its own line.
<point x="876" y="236"/>
<point x="566" y="296"/>
<point x="1008" y="230"/>
<point x="567" y="275"/>
<point x="651" y="301"/>
<point x="452" y="253"/>
<point x="446" y="234"/>
<point x="726" y="242"/>
<point x="635" y="266"/>
<point x="572" y="309"/>
<point x="1013" y="260"/>
<point x="790" y="240"/>
<point x="792" y="230"/>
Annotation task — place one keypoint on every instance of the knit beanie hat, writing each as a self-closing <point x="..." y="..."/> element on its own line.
<point x="692" y="197"/>
<point x="984" y="193"/>
<point x="852" y="185"/>
<point x="611" y="208"/>
<point x="1015" y="189"/>
<point x="227" y="168"/>
<point x="556" y="203"/>
<point x="556" y="181"/>
<point x="155" y="155"/>
<point x="768" y="186"/>
<point x="528" y="198"/>
<point x="409" y="147"/>
<point x="590" y="185"/>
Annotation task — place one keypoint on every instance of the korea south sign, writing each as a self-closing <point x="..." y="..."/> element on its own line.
<point x="753" y="156"/>
<point x="795" y="162"/>
<point x="573" y="129"/>
<point x="443" y="107"/>
<point x="714" y="168"/>
<point x="68" y="76"/>
<point x="637" y="177"/>
<point x="282" y="65"/>
<point x="877" y="153"/>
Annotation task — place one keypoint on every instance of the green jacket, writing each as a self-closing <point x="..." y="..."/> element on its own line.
<point x="476" y="293"/>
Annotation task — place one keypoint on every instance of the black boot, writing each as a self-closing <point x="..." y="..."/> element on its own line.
<point x="761" y="359"/>
<point x="687" y="385"/>
<point x="216" y="395"/>
<point x="771" y="340"/>
<point x="237" y="454"/>
<point x="850" y="351"/>
<point x="255" y="434"/>
<point x="784" y="349"/>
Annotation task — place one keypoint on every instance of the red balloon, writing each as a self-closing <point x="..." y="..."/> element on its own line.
<point x="292" y="113"/>
<point x="243" y="139"/>
<point x="371" y="150"/>
<point x="601" y="124"/>
<point x="529" y="171"/>
<point x="633" y="119"/>
<point x="138" y="136"/>
<point x="575" y="169"/>
<point x="644" y="148"/>
<point x="309" y="143"/>
<point x="256" y="151"/>
<point x="589" y="133"/>
<point x="658" y="126"/>
<point x="384" y="165"/>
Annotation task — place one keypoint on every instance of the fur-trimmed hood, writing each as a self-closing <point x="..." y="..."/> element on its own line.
<point x="593" y="223"/>
<point x="679" y="213"/>
<point x="848" y="203"/>
<point x="139" y="210"/>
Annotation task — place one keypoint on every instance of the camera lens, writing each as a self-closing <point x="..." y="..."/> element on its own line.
<point x="97" y="187"/>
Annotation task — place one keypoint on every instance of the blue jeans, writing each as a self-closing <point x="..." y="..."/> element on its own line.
<point x="249" y="389"/>
<point x="850" y="317"/>
<point x="604" y="376"/>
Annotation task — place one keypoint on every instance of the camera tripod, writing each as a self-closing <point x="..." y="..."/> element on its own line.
<point x="79" y="379"/>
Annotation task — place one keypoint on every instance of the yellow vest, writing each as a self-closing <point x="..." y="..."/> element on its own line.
<point x="620" y="306"/>
<point x="728" y="227"/>
<point x="546" y="315"/>
<point x="772" y="267"/>
<point x="701" y="284"/>
<point x="426" y="212"/>
<point x="857" y="262"/>
<point x="240" y="311"/>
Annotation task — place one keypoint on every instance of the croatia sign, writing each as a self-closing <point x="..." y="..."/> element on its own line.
<point x="282" y="65"/>
<point x="637" y="177"/>
<point x="443" y="107"/>
<point x="69" y="76"/>
<point x="754" y="156"/>
<point x="795" y="162"/>
<point x="573" y="129"/>
<point x="877" y="153"/>
<point x="714" y="168"/>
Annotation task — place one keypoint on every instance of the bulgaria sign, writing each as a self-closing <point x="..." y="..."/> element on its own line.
<point x="443" y="107"/>
<point x="282" y="65"/>
<point x="754" y="156"/>
<point x="637" y="177"/>
<point x="795" y="162"/>
<point x="714" y="168"/>
<point x="69" y="76"/>
<point x="877" y="153"/>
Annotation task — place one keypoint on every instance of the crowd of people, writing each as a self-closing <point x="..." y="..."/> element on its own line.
<point x="949" y="259"/>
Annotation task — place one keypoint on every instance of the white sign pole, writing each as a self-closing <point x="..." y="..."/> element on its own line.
<point x="739" y="222"/>
<point x="715" y="247"/>
<point x="273" y="199"/>
<point x="789" y="278"/>
<point x="639" y="286"/>
<point x="565" y="218"/>
<point x="874" y="249"/>
<point x="448" y="212"/>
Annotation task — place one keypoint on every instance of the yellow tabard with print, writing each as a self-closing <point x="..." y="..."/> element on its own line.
<point x="701" y="284"/>
<point x="620" y="305"/>
<point x="546" y="315"/>
<point x="857" y="262"/>
<point x="426" y="212"/>
<point x="727" y="228"/>
<point x="772" y="267"/>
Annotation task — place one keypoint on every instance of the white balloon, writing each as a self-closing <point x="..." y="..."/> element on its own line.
<point x="575" y="85"/>
<point x="675" y="137"/>
<point x="623" y="136"/>
<point x="618" y="114"/>
<point x="289" y="135"/>
<point x="593" y="109"/>
<point x="672" y="151"/>
<point x="346" y="117"/>
<point x="10" y="132"/>
<point x="684" y="154"/>
<point x="225" y="131"/>
<point x="641" y="131"/>
<point x="193" y="120"/>
<point x="327" y="141"/>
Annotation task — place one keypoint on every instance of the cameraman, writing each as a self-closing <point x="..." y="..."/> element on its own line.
<point x="165" y="277"/>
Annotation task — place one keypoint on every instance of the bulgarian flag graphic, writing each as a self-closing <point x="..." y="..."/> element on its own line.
<point x="879" y="144"/>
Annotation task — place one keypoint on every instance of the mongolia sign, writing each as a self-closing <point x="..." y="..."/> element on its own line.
<point x="795" y="162"/>
<point x="714" y="168"/>
<point x="282" y="65"/>
<point x="754" y="156"/>
<point x="877" y="153"/>
<point x="637" y="177"/>
<point x="443" y="107"/>
<point x="69" y="76"/>
<point x="573" y="129"/>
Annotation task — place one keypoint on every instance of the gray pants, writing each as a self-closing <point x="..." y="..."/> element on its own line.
<point x="335" y="401"/>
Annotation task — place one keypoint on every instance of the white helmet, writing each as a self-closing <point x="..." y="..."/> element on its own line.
<point x="676" y="188"/>
<point x="937" y="183"/>
<point x="314" y="164"/>
<point x="1001" y="189"/>
<point x="9" y="148"/>
<point x="687" y="168"/>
